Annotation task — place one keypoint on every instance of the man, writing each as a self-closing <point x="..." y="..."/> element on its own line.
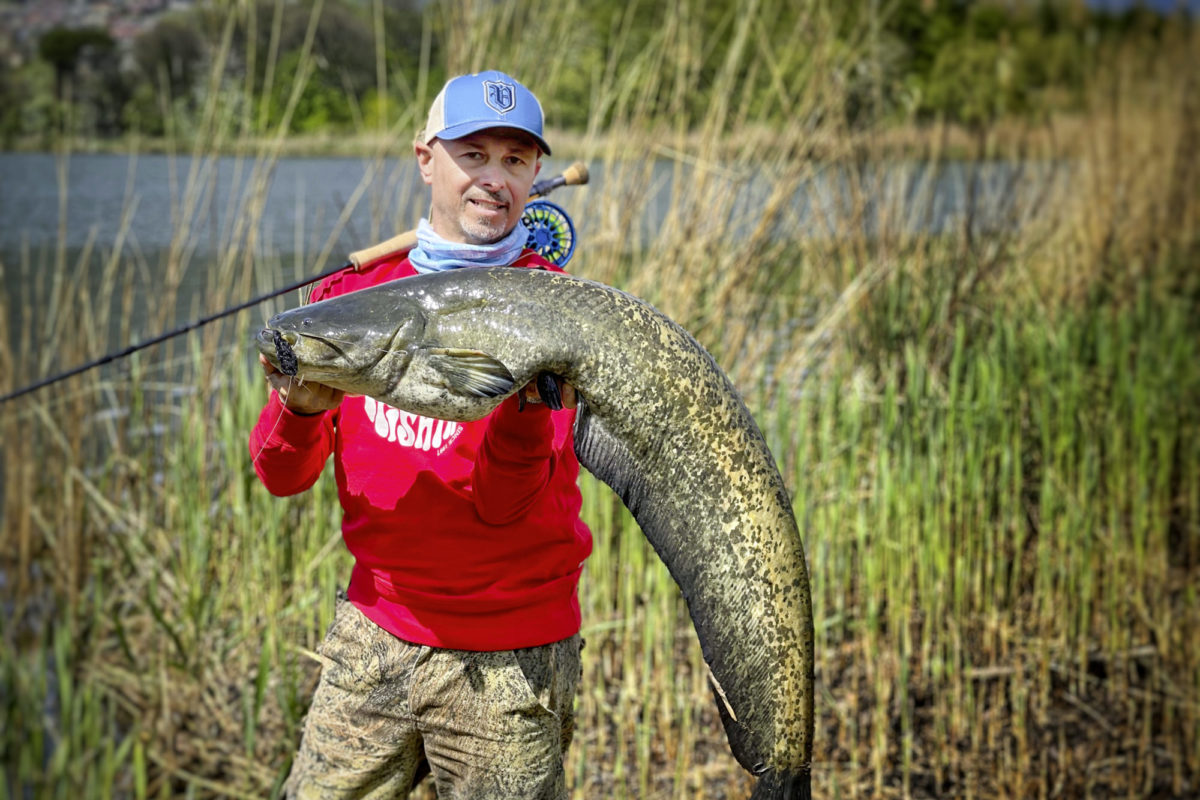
<point x="458" y="640"/>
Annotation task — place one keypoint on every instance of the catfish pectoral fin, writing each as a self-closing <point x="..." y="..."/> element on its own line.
<point x="471" y="372"/>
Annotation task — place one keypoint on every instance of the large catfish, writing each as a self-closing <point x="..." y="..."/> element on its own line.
<point x="658" y="421"/>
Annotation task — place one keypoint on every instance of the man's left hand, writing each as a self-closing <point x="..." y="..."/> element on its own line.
<point x="531" y="394"/>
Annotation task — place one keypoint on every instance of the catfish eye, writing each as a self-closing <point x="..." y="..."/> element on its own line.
<point x="307" y="322"/>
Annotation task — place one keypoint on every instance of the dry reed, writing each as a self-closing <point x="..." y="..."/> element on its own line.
<point x="989" y="432"/>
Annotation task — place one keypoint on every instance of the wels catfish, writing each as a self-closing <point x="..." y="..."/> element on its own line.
<point x="657" y="420"/>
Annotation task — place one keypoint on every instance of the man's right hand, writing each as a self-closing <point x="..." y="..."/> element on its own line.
<point x="300" y="398"/>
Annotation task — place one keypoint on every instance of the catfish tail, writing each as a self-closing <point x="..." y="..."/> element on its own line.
<point x="774" y="785"/>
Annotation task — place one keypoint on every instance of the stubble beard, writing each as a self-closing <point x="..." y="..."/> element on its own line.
<point x="479" y="232"/>
<point x="482" y="231"/>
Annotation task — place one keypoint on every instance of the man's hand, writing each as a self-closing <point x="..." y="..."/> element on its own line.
<point x="566" y="392"/>
<point x="302" y="398"/>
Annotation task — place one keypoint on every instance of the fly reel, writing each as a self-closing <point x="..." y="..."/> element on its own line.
<point x="551" y="232"/>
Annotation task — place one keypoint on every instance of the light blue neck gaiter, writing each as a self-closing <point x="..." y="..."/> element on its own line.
<point x="434" y="254"/>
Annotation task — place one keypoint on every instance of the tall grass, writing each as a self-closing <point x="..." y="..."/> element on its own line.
<point x="991" y="437"/>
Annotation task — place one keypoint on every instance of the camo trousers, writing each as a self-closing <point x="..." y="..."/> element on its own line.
<point x="488" y="724"/>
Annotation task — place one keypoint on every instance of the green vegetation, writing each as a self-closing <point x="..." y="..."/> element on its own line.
<point x="992" y="437"/>
<point x="918" y="60"/>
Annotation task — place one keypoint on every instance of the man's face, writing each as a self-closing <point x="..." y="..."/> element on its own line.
<point x="480" y="183"/>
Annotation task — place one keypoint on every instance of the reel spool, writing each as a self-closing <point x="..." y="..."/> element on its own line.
<point x="551" y="232"/>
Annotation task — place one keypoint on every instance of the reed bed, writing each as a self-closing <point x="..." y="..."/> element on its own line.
<point x="990" y="432"/>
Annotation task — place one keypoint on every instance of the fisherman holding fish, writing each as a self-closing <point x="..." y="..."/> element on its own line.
<point x="455" y="648"/>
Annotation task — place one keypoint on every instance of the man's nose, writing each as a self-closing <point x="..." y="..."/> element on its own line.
<point x="491" y="177"/>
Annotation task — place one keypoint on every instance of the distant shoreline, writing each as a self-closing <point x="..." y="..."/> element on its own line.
<point x="1002" y="139"/>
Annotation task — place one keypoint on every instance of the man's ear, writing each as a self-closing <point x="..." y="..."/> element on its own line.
<point x="424" y="155"/>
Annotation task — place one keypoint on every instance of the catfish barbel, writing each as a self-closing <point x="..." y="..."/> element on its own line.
<point x="657" y="420"/>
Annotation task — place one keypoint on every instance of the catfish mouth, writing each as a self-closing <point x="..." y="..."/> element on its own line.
<point x="318" y="357"/>
<point x="290" y="351"/>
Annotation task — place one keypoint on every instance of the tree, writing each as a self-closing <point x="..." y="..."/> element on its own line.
<point x="170" y="55"/>
<point x="64" y="48"/>
<point x="340" y="67"/>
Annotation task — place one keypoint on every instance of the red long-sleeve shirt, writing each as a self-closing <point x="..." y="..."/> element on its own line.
<point x="465" y="535"/>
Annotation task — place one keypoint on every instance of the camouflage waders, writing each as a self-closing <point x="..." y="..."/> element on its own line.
<point x="491" y="724"/>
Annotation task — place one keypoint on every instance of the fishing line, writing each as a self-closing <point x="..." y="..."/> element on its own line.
<point x="191" y="326"/>
<point x="274" y="426"/>
<point x="289" y="365"/>
<point x="574" y="175"/>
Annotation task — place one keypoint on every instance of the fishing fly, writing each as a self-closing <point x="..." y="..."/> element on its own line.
<point x="288" y="364"/>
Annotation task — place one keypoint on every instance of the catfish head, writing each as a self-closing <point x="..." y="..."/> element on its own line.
<point x="378" y="344"/>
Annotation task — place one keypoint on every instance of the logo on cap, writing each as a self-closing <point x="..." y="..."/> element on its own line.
<point x="500" y="97"/>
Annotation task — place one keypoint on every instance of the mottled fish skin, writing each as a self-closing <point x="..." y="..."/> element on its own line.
<point x="658" y="421"/>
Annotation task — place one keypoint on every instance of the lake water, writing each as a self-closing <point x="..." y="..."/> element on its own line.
<point x="309" y="213"/>
<point x="303" y="201"/>
<point x="89" y="195"/>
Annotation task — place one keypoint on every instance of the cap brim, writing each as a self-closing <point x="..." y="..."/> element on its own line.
<point x="467" y="128"/>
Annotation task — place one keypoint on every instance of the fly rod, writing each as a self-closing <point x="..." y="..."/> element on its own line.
<point x="574" y="175"/>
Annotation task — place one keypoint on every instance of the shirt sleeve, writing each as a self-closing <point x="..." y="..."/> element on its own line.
<point x="515" y="461"/>
<point x="288" y="449"/>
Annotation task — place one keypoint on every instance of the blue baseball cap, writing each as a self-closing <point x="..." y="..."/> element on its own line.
<point x="471" y="103"/>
